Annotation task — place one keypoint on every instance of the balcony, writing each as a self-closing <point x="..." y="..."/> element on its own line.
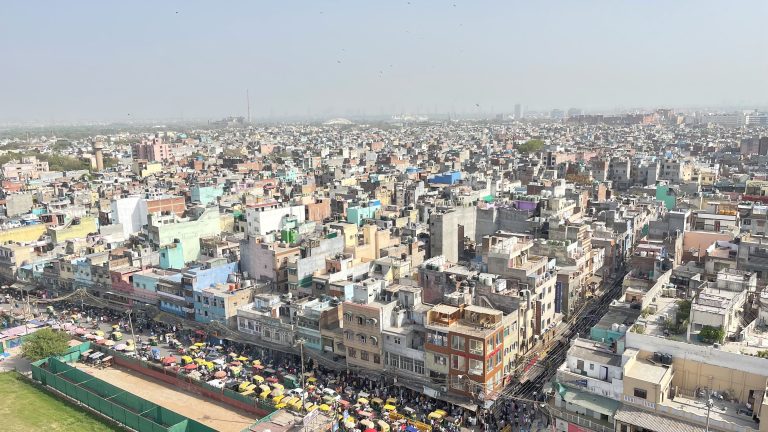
<point x="596" y="386"/>
<point x="590" y="423"/>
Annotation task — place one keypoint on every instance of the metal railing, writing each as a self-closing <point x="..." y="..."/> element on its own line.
<point x="591" y="424"/>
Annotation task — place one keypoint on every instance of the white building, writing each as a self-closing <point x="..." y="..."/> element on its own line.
<point x="268" y="217"/>
<point x="131" y="212"/>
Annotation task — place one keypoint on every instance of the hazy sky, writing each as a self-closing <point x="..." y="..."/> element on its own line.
<point x="76" y="60"/>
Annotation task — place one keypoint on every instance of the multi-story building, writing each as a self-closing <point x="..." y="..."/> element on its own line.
<point x="29" y="168"/>
<point x="465" y="346"/>
<point x="153" y="149"/>
<point x="363" y="317"/>
<point x="166" y="228"/>
<point x="532" y="275"/>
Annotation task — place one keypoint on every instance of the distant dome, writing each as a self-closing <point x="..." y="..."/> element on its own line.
<point x="338" y="121"/>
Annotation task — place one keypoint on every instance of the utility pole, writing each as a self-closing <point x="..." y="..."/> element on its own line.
<point x="130" y="323"/>
<point x="303" y="389"/>
<point x="248" y="102"/>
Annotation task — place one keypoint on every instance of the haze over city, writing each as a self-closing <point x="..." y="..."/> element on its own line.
<point x="94" y="61"/>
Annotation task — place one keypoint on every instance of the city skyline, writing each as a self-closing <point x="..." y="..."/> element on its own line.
<point x="94" y="62"/>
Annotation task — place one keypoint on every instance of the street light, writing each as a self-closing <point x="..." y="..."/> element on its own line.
<point x="300" y="343"/>
<point x="133" y="335"/>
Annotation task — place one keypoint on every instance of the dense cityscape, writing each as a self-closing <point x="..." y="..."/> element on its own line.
<point x="568" y="272"/>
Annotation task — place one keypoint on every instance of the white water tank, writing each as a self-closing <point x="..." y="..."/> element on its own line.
<point x="614" y="327"/>
<point x="622" y="329"/>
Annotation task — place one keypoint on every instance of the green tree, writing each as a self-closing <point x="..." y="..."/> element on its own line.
<point x="45" y="343"/>
<point x="531" y="146"/>
<point x="709" y="334"/>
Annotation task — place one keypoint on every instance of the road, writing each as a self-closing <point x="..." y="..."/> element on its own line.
<point x="534" y="381"/>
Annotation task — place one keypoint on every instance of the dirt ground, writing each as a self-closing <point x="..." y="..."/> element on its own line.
<point x="211" y="413"/>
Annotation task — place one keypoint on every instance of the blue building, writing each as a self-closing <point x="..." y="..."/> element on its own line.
<point x="448" y="178"/>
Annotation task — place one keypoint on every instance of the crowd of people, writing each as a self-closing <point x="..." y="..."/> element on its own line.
<point x="519" y="416"/>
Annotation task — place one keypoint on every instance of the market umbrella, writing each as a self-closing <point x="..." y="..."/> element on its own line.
<point x="81" y="331"/>
<point x="195" y="375"/>
<point x="109" y="343"/>
<point x="220" y="374"/>
<point x="170" y="359"/>
<point x="121" y="347"/>
<point x="242" y="359"/>
<point x="190" y="367"/>
<point x="324" y="407"/>
<point x="200" y="344"/>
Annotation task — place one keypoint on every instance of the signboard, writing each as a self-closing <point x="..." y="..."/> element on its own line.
<point x="558" y="296"/>
<point x="310" y="417"/>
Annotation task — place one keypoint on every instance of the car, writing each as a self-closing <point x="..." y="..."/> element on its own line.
<point x="296" y="392"/>
<point x="332" y="393"/>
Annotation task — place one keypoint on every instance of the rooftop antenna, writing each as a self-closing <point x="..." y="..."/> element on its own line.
<point x="248" y="102"/>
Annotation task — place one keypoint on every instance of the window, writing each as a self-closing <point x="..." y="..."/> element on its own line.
<point x="374" y="341"/>
<point x="397" y="340"/>
<point x="363" y="339"/>
<point x="376" y="359"/>
<point x="457" y="362"/>
<point x="475" y="347"/>
<point x="440" y="360"/>
<point x="360" y="320"/>
<point x="641" y="393"/>
<point x="457" y="343"/>
<point x="351" y="353"/>
<point x="347" y="316"/>
<point x="349" y="335"/>
<point x="394" y="360"/>
<point x="498" y="338"/>
<point x="418" y="367"/>
<point x="591" y="366"/>
<point x="406" y="363"/>
<point x="364" y="355"/>
<point x="475" y="367"/>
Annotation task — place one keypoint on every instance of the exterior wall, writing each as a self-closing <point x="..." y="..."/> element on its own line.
<point x="319" y="210"/>
<point x="131" y="212"/>
<point x="206" y="194"/>
<point x="268" y="220"/>
<point x="18" y="204"/>
<point x="23" y="234"/>
<point x="368" y="354"/>
<point x="699" y="366"/>
<point x="172" y="256"/>
<point x="86" y="226"/>
<point x="187" y="232"/>
<point x="175" y="205"/>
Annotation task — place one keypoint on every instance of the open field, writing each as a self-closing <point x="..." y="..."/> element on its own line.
<point x="211" y="413"/>
<point x="26" y="408"/>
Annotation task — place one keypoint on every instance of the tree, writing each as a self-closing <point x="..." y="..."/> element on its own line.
<point x="531" y="146"/>
<point x="45" y="343"/>
<point x="709" y="334"/>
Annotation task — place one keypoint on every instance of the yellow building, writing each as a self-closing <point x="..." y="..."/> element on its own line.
<point x="23" y="234"/>
<point x="78" y="228"/>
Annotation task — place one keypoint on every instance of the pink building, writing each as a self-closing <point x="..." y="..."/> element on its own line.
<point x="152" y="149"/>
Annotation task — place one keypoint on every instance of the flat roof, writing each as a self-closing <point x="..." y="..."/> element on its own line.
<point x="646" y="371"/>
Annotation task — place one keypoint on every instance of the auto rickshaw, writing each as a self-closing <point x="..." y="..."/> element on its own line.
<point x="152" y="341"/>
<point x="278" y="398"/>
<point x="285" y="402"/>
<point x="185" y="360"/>
<point x="383" y="426"/>
<point x="116" y="336"/>
<point x="265" y="391"/>
<point x="376" y="404"/>
<point x="291" y="381"/>
<point x="258" y="379"/>
<point x="245" y="385"/>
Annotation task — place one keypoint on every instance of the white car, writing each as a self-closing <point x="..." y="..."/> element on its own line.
<point x="332" y="393"/>
<point x="296" y="392"/>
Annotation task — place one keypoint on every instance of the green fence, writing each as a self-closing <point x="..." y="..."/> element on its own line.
<point x="115" y="403"/>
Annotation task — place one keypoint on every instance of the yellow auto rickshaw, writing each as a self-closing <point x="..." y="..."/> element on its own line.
<point x="258" y="379"/>
<point x="116" y="336"/>
<point x="245" y="385"/>
<point x="185" y="360"/>
<point x="265" y="391"/>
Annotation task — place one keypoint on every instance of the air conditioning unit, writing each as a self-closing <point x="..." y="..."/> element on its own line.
<point x="443" y="389"/>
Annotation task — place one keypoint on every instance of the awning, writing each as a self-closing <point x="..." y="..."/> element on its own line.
<point x="590" y="401"/>
<point x="653" y="421"/>
<point x="22" y="286"/>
